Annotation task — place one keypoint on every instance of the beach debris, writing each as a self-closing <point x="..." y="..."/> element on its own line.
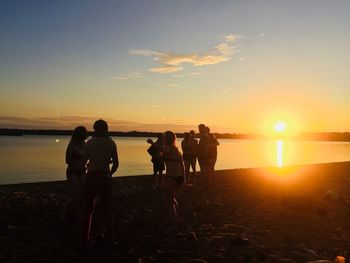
<point x="332" y="195"/>
<point x="194" y="236"/>
<point x="239" y="241"/>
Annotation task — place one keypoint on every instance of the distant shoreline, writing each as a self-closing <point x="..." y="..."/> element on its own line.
<point x="315" y="136"/>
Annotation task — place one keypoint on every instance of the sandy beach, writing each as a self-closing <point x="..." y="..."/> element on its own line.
<point x="292" y="214"/>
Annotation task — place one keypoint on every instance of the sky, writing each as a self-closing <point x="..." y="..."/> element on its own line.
<point x="237" y="66"/>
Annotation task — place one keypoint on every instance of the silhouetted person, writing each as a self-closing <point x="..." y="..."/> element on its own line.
<point x="155" y="150"/>
<point x="189" y="148"/>
<point x="212" y="153"/>
<point x="202" y="150"/>
<point x="101" y="151"/>
<point x="175" y="174"/>
<point x="75" y="173"/>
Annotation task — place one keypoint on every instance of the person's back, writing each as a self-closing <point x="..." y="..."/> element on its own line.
<point x="203" y="147"/>
<point x="186" y="144"/>
<point x="193" y="144"/>
<point x="100" y="152"/>
<point x="213" y="147"/>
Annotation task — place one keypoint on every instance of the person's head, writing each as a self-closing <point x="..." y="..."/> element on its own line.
<point x="207" y="129"/>
<point x="201" y="128"/>
<point x="160" y="137"/>
<point x="192" y="133"/>
<point x="101" y="127"/>
<point x="169" y="138"/>
<point x="80" y="134"/>
<point x="186" y="136"/>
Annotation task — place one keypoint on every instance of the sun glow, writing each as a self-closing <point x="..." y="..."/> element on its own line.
<point x="280" y="126"/>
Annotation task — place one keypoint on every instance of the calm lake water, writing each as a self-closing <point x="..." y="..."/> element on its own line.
<point x="42" y="158"/>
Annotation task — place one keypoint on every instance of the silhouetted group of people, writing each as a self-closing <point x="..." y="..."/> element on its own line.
<point x="205" y="150"/>
<point x="89" y="173"/>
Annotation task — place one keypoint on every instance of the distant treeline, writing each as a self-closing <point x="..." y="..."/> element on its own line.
<point x="21" y="132"/>
<point x="318" y="136"/>
<point x="324" y="136"/>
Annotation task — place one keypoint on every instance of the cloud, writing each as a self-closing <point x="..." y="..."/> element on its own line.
<point x="130" y="75"/>
<point x="232" y="37"/>
<point x="172" y="62"/>
<point x="194" y="73"/>
<point x="188" y="74"/>
<point x="166" y="69"/>
<point x="144" y="52"/>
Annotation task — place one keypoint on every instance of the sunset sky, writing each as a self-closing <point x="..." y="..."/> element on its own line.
<point x="238" y="66"/>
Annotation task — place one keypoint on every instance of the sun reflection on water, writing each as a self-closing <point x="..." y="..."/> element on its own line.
<point x="279" y="153"/>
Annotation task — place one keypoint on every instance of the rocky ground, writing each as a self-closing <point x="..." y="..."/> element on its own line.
<point x="295" y="214"/>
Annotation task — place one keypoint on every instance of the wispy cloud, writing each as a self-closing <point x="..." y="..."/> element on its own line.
<point x="186" y="75"/>
<point x="172" y="62"/>
<point x="131" y="75"/>
<point x="120" y="78"/>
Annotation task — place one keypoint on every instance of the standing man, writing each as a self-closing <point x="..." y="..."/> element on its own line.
<point x="203" y="149"/>
<point x="194" y="145"/>
<point x="101" y="151"/>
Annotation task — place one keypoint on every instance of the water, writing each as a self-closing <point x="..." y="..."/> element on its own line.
<point x="42" y="158"/>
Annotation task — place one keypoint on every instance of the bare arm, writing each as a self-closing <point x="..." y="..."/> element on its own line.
<point x="115" y="160"/>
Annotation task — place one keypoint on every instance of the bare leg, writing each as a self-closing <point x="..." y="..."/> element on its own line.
<point x="160" y="177"/>
<point x="193" y="179"/>
<point x="73" y="207"/>
<point x="187" y="171"/>
<point x="204" y="169"/>
<point x="154" y="178"/>
<point x="170" y="207"/>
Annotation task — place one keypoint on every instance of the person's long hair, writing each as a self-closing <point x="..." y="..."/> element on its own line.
<point x="79" y="135"/>
<point x="169" y="138"/>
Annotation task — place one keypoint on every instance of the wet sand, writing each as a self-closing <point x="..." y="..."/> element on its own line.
<point x="294" y="214"/>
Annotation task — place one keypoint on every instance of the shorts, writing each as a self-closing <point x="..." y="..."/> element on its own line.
<point x="158" y="165"/>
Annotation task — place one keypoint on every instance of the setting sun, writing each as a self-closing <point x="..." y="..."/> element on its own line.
<point x="280" y="126"/>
